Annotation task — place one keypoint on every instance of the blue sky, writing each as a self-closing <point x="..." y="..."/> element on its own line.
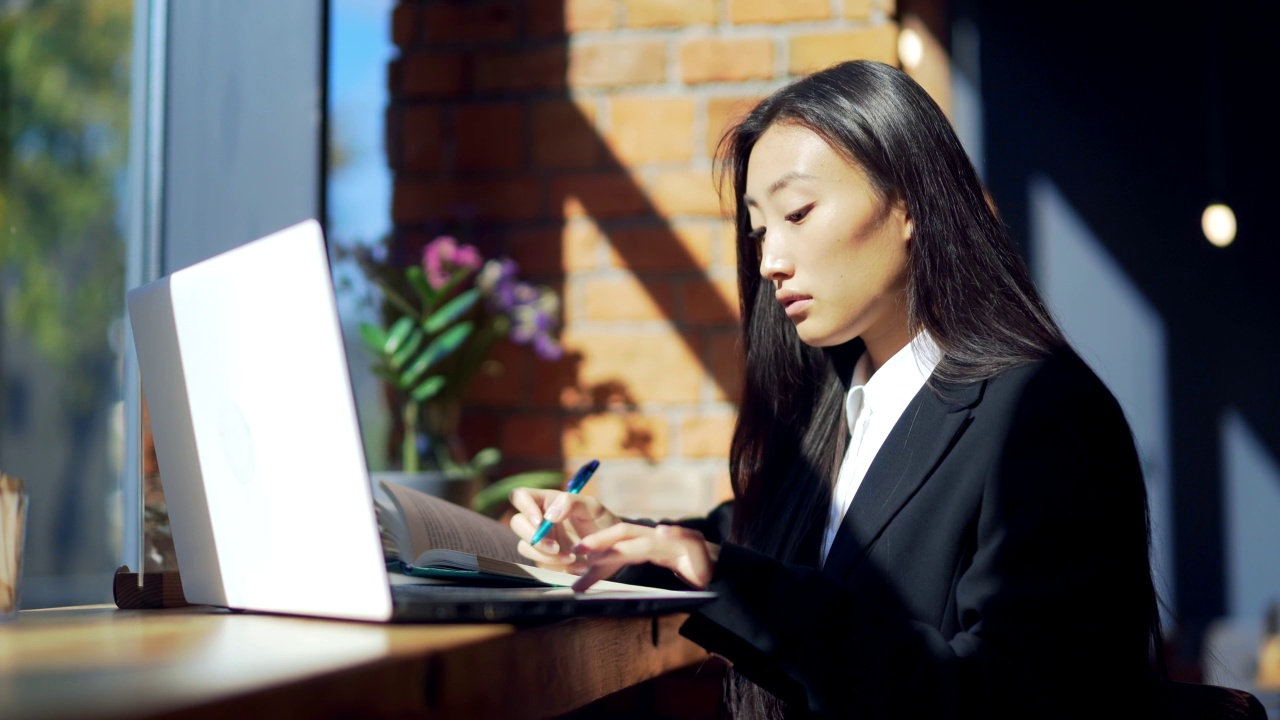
<point x="359" y="194"/>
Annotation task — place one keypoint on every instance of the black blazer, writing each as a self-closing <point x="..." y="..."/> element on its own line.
<point x="994" y="563"/>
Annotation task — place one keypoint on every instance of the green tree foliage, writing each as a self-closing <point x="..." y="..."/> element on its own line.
<point x="64" y="114"/>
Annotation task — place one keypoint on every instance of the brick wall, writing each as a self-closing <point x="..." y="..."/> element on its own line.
<point x="577" y="136"/>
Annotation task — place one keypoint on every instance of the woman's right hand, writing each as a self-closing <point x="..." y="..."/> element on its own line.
<point x="575" y="517"/>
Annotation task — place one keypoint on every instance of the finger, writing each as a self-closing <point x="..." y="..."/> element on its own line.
<point x="589" y="516"/>
<point x="594" y="574"/>
<point x="552" y="560"/>
<point x="530" y="502"/>
<point x="694" y="563"/>
<point x="605" y="538"/>
<point x="570" y="505"/>
<point x="525" y="529"/>
<point x="681" y="550"/>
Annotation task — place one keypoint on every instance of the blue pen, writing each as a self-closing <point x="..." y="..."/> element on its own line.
<point x="576" y="484"/>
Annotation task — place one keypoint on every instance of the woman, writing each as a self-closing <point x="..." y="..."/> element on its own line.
<point x="938" y="508"/>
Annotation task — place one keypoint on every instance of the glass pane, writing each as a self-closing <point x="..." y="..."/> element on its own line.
<point x="358" y="186"/>
<point x="64" y="122"/>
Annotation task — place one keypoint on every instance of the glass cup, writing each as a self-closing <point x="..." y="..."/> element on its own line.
<point x="13" y="529"/>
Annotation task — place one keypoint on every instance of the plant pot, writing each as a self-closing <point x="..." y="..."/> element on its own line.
<point x="457" y="489"/>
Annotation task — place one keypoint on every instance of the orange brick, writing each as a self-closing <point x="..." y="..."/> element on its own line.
<point x="614" y="64"/>
<point x="511" y="198"/>
<point x="580" y="240"/>
<point x="598" y="195"/>
<point x="742" y="12"/>
<point x="617" y="299"/>
<point x="724" y="112"/>
<point x="490" y="136"/>
<point x="706" y="436"/>
<point x="405" y="20"/>
<point x="480" y="428"/>
<point x="810" y="53"/>
<point x="521" y="70"/>
<point x="720" y="60"/>
<point x="725" y="364"/>
<point x="416" y="201"/>
<point x="722" y="490"/>
<point x="710" y="302"/>
<point x="427" y="75"/>
<point x="514" y="198"/>
<point x="669" y="13"/>
<point x="503" y="377"/>
<point x="551" y="251"/>
<point x="651" y="129"/>
<point x="727" y="258"/>
<point x="660" y="247"/>
<point x="557" y="385"/>
<point x="616" y="435"/>
<point x="933" y="72"/>
<point x="685" y="192"/>
<point x="564" y="134"/>
<point x="859" y="9"/>
<point x="555" y="18"/>
<point x="469" y="22"/>
<point x="414" y="138"/>
<point x="642" y="365"/>
<point x="532" y="437"/>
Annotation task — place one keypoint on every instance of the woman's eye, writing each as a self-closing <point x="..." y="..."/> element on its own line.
<point x="756" y="235"/>
<point x="799" y="215"/>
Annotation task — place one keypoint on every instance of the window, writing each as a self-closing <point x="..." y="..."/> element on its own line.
<point x="64" y="147"/>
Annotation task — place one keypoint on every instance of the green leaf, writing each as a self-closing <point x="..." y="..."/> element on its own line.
<point x="418" y="281"/>
<point x="387" y="374"/>
<point x="491" y="498"/>
<point x="399" y="331"/>
<point x="486" y="458"/>
<point x="440" y="348"/>
<point x="406" y="351"/>
<point x="427" y="389"/>
<point x="373" y="336"/>
<point x="451" y="311"/>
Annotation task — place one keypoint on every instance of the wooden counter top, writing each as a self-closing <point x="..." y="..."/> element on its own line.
<point x="105" y="663"/>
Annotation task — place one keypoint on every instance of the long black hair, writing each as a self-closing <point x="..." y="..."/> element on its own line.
<point x="966" y="285"/>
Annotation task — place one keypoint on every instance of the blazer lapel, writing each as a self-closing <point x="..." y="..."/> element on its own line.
<point x="927" y="430"/>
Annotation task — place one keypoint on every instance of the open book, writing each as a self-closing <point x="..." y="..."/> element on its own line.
<point x="427" y="537"/>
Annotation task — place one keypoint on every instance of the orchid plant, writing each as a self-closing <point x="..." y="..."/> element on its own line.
<point x="443" y="313"/>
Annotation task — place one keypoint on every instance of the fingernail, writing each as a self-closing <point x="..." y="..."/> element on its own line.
<point x="555" y="513"/>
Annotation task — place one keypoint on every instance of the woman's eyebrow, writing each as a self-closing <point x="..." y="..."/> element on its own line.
<point x="786" y="179"/>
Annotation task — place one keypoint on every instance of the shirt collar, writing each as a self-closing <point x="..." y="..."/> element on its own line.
<point x="891" y="388"/>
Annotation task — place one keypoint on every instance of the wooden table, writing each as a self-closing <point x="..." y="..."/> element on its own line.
<point x="99" y="662"/>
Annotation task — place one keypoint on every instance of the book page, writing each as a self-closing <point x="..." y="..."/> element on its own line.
<point x="554" y="577"/>
<point x="391" y="529"/>
<point x="436" y="523"/>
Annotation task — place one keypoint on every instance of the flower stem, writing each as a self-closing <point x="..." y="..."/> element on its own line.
<point x="409" y="446"/>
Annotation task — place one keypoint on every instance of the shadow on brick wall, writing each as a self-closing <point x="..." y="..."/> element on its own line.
<point x="485" y="136"/>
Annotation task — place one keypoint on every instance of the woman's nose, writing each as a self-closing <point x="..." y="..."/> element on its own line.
<point x="774" y="265"/>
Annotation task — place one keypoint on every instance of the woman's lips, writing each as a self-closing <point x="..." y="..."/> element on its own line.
<point x="795" y="305"/>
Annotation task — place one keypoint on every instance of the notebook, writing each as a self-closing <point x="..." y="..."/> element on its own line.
<point x="245" y="377"/>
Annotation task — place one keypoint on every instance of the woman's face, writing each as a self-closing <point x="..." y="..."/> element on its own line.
<point x="835" y="253"/>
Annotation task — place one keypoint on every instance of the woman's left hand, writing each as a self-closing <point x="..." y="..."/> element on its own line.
<point x="679" y="549"/>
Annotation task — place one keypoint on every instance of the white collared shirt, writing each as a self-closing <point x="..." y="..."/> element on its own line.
<point x="871" y="408"/>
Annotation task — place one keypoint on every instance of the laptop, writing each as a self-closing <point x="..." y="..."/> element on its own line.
<point x="244" y="372"/>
